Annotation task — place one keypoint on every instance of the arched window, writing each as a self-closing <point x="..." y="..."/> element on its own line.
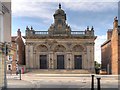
<point x="60" y="48"/>
<point x="42" y="48"/>
<point x="78" y="48"/>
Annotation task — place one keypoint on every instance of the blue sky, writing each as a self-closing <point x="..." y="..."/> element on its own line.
<point x="80" y="14"/>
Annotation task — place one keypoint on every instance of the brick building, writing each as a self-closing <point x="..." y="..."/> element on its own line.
<point x="17" y="53"/>
<point x="110" y="50"/>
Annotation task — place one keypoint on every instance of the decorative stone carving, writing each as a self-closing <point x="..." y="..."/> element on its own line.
<point x="60" y="48"/>
<point x="42" y="48"/>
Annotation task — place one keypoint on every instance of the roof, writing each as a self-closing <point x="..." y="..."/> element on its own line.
<point x="14" y="38"/>
<point x="106" y="42"/>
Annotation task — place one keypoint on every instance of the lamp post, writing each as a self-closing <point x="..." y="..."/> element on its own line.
<point x="20" y="73"/>
<point x="5" y="52"/>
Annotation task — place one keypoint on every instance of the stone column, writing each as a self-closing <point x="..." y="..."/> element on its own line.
<point x="72" y="61"/>
<point x="27" y="56"/>
<point x="1" y="28"/>
<point x="31" y="56"/>
<point x="85" y="60"/>
<point x="88" y="57"/>
<point x="92" y="59"/>
<point x="51" y="60"/>
<point x="68" y="60"/>
<point x="55" y="61"/>
<point x="34" y="59"/>
<point x="38" y="60"/>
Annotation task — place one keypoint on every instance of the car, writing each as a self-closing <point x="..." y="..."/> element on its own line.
<point x="103" y="72"/>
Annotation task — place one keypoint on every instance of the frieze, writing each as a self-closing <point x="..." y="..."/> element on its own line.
<point x="60" y="37"/>
<point x="69" y="44"/>
<point x="89" y="43"/>
<point x="29" y="43"/>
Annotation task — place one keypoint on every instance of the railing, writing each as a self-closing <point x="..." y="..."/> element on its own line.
<point x="72" y="32"/>
<point x="41" y="32"/>
<point x="76" y="33"/>
<point x="46" y="33"/>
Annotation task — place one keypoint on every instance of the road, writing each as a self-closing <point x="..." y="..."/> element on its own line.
<point x="61" y="81"/>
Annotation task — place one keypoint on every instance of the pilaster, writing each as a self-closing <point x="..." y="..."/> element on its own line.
<point x="51" y="60"/>
<point x="27" y="55"/>
<point x="31" y="56"/>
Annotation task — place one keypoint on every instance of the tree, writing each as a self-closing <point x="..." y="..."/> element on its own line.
<point x="97" y="67"/>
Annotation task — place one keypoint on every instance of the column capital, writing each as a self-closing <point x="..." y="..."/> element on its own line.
<point x="4" y="9"/>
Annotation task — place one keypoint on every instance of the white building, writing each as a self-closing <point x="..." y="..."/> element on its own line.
<point x="5" y="33"/>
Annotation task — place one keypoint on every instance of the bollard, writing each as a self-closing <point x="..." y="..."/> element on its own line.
<point x="98" y="84"/>
<point x="20" y="74"/>
<point x="92" y="83"/>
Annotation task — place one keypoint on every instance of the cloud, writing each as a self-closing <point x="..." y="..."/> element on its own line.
<point x="91" y="6"/>
<point x="45" y="9"/>
<point x="37" y="8"/>
<point x="98" y="42"/>
<point x="32" y="9"/>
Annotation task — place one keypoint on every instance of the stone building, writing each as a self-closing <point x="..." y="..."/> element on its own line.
<point x="5" y="21"/>
<point x="110" y="50"/>
<point x="5" y="34"/>
<point x="60" y="47"/>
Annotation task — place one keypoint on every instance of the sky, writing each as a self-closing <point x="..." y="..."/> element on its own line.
<point x="80" y="14"/>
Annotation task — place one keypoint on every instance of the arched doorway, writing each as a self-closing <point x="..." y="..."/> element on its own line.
<point x="78" y="57"/>
<point x="43" y="62"/>
<point x="60" y="57"/>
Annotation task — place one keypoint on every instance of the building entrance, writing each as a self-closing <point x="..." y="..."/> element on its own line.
<point x="60" y="61"/>
<point x="78" y="61"/>
<point x="43" y="62"/>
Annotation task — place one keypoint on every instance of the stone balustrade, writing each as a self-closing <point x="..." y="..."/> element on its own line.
<point x="47" y="33"/>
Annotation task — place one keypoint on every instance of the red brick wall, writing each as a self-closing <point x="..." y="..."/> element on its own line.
<point x="106" y="56"/>
<point x="114" y="50"/>
<point x="21" y="51"/>
<point x="118" y="54"/>
<point x="114" y="46"/>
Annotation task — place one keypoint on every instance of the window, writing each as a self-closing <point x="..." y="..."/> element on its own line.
<point x="59" y="21"/>
<point x="9" y="67"/>
<point x="10" y="58"/>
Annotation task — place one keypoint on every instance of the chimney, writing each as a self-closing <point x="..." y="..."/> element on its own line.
<point x="109" y="34"/>
<point x="115" y="23"/>
<point x="19" y="33"/>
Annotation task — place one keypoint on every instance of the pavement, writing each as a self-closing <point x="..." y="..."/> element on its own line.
<point x="70" y="81"/>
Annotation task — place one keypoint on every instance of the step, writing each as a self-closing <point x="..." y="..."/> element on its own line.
<point x="41" y="71"/>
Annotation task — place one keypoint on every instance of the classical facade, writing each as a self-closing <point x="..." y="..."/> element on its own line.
<point x="110" y="50"/>
<point x="5" y="21"/>
<point x="60" y="47"/>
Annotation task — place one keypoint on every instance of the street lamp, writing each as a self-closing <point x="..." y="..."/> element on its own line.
<point x="5" y="52"/>
<point x="20" y="73"/>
